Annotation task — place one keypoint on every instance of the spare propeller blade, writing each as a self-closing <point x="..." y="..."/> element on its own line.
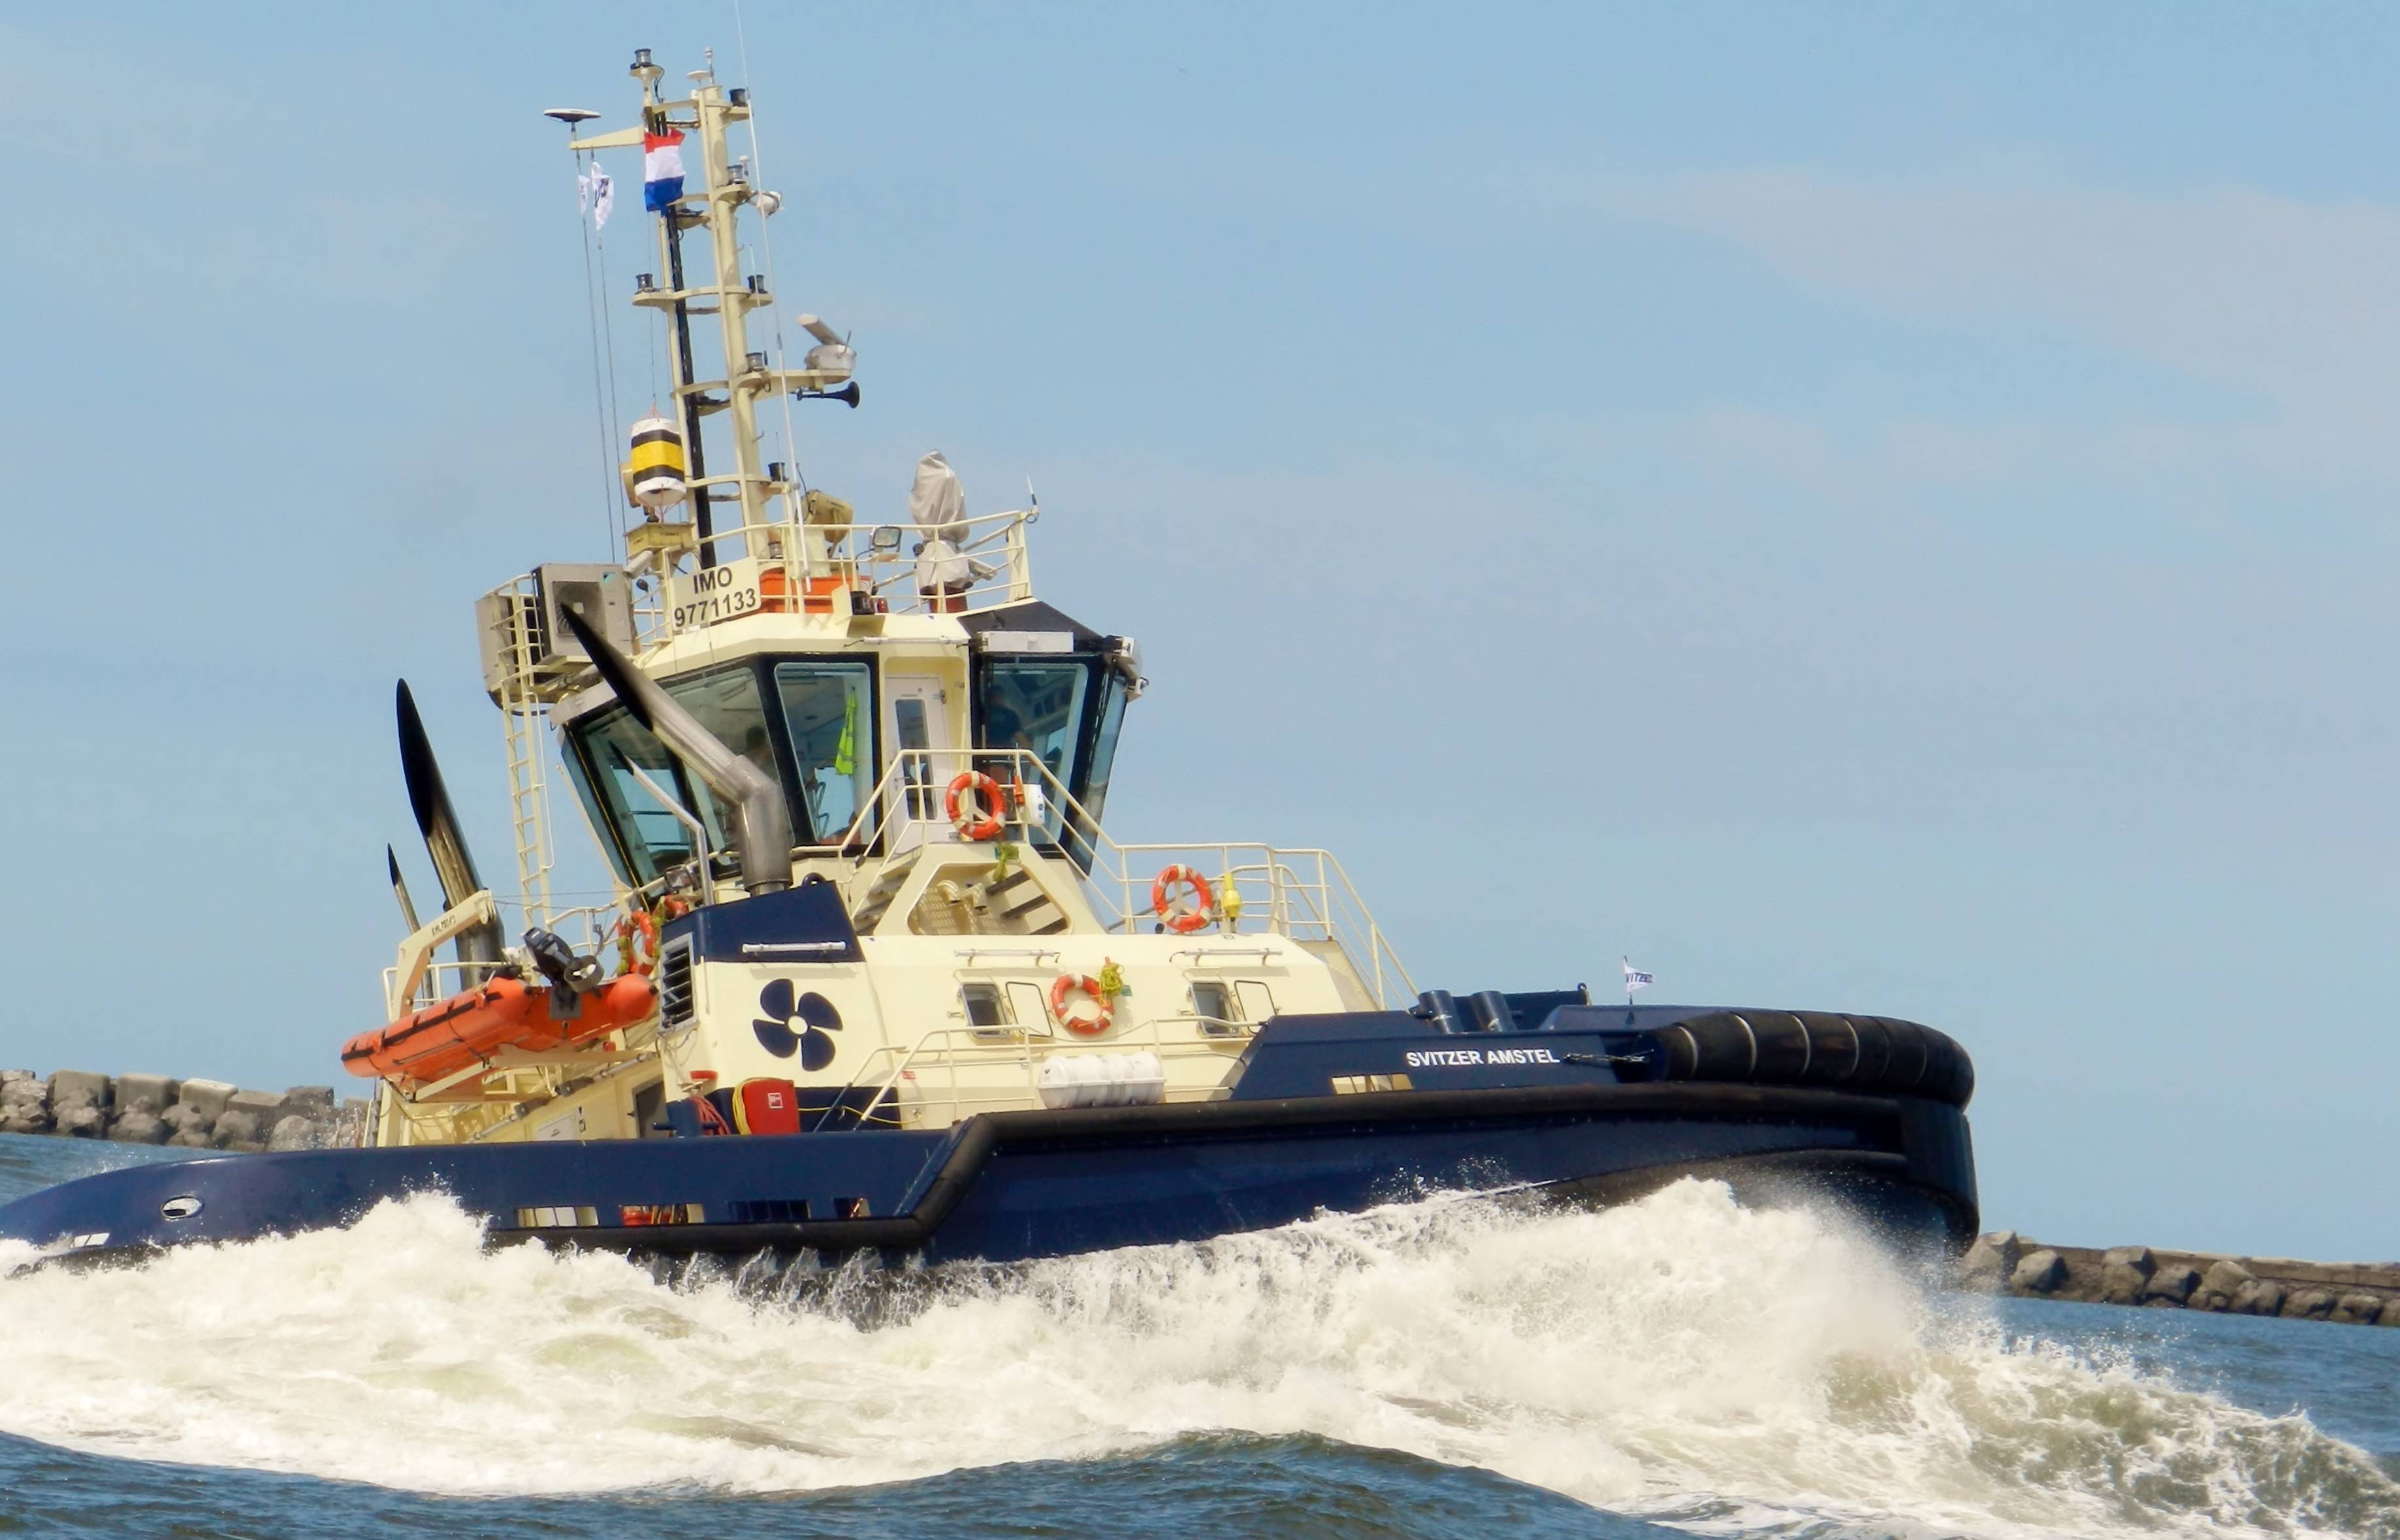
<point x="430" y="801"/>
<point x="400" y="889"/>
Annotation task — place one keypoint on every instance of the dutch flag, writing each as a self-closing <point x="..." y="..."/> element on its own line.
<point x="662" y="169"/>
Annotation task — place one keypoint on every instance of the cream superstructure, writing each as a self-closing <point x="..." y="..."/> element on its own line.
<point x="901" y="684"/>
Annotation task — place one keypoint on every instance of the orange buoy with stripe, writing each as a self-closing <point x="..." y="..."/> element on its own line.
<point x="469" y="1027"/>
<point x="654" y="469"/>
<point x="1069" y="985"/>
<point x="1182" y="918"/>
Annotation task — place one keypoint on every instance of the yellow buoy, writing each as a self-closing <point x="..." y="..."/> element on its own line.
<point x="654" y="471"/>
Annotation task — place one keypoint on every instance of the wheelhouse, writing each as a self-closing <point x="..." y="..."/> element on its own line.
<point x="838" y="730"/>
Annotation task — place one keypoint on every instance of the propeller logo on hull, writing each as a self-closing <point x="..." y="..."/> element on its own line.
<point x="804" y="1025"/>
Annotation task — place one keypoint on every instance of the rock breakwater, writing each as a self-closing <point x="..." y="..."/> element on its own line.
<point x="189" y="1114"/>
<point x="2352" y="1293"/>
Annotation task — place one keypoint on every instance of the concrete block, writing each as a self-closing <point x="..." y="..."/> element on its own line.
<point x="315" y="1101"/>
<point x="2308" y="1304"/>
<point x="79" y="1121"/>
<point x="28" y="1092"/>
<point x="2038" y="1272"/>
<point x="2260" y="1297"/>
<point x="293" y="1132"/>
<point x="185" y="1118"/>
<point x="209" y="1096"/>
<point x="1986" y="1264"/>
<point x="151" y="1093"/>
<point x="11" y="1077"/>
<point x="2172" y="1284"/>
<point x="191" y="1139"/>
<point x="24" y="1117"/>
<point x="2125" y="1274"/>
<point x="266" y="1106"/>
<point x="78" y="1088"/>
<point x="2356" y="1309"/>
<point x="2220" y="1284"/>
<point x="137" y="1127"/>
<point x="235" y="1127"/>
<point x="2391" y="1313"/>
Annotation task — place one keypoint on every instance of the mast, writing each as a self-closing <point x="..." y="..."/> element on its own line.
<point x="716" y="187"/>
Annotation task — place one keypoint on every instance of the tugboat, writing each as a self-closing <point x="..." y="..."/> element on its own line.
<point x="878" y="978"/>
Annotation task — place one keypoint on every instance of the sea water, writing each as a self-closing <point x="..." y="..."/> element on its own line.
<point x="1480" y="1367"/>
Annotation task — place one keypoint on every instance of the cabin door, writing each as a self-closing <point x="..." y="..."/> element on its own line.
<point x="917" y="725"/>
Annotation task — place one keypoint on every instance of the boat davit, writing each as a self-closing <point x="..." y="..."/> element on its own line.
<point x="877" y="977"/>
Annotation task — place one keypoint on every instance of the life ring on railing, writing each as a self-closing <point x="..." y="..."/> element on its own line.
<point x="1180" y="918"/>
<point x="1069" y="985"/>
<point x="637" y="942"/>
<point x="637" y="935"/>
<point x="973" y="821"/>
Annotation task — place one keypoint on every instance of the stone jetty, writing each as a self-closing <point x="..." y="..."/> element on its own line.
<point x="187" y="1114"/>
<point x="2354" y="1293"/>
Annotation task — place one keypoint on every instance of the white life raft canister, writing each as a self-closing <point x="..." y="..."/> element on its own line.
<point x="1102" y="1079"/>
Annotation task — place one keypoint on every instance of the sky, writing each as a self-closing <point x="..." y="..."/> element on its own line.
<point x="1870" y="508"/>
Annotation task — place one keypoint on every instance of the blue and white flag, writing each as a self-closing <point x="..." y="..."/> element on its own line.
<point x="598" y="191"/>
<point x="662" y="169"/>
<point x="1635" y="978"/>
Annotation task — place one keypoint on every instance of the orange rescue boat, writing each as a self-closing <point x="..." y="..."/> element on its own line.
<point x="469" y="1027"/>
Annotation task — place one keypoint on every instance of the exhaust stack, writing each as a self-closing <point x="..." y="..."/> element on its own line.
<point x="762" y="823"/>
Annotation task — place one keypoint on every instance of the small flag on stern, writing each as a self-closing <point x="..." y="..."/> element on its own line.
<point x="599" y="192"/>
<point x="1635" y="978"/>
<point x="662" y="169"/>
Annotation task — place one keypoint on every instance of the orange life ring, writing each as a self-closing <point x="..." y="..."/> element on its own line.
<point x="976" y="824"/>
<point x="637" y="935"/>
<point x="1182" y="922"/>
<point x="637" y="940"/>
<point x="1084" y="984"/>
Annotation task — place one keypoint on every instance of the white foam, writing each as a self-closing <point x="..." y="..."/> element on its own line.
<point x="1682" y="1357"/>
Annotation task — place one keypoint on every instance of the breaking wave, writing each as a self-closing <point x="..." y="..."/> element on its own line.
<point x="1682" y="1359"/>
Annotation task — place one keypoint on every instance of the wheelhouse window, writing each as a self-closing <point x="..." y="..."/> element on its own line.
<point x="1066" y="712"/>
<point x="1083" y="836"/>
<point x="1038" y="707"/>
<point x="614" y="753"/>
<point x="808" y="722"/>
<point x="829" y="711"/>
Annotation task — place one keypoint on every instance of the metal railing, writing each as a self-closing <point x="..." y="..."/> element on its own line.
<point x="1302" y="895"/>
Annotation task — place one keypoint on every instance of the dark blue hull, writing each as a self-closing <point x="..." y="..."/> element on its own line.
<point x="1014" y="1185"/>
<point x="1590" y="1103"/>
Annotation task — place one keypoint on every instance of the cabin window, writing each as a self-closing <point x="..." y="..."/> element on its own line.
<point x="1038" y="707"/>
<point x="1082" y="834"/>
<point x="829" y="711"/>
<point x="985" y="1011"/>
<point x="1212" y="1002"/>
<point x="612" y="748"/>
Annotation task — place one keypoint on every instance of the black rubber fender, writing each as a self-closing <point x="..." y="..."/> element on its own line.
<point x="1855" y="1053"/>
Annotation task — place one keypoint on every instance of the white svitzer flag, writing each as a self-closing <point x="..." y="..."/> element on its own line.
<point x="1635" y="978"/>
<point x="599" y="194"/>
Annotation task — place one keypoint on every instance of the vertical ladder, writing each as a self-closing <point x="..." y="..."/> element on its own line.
<point x="524" y="719"/>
